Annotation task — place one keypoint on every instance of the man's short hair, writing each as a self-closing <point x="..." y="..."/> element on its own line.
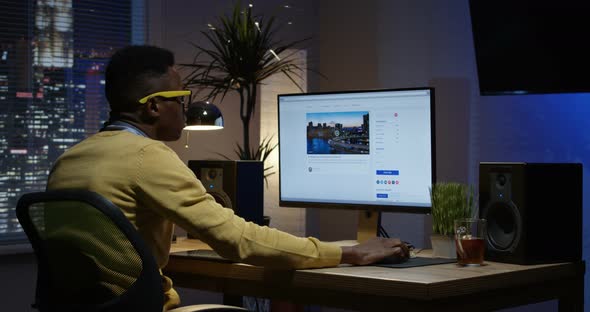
<point x="129" y="71"/>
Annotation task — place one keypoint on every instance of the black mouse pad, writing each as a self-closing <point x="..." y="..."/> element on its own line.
<point x="416" y="262"/>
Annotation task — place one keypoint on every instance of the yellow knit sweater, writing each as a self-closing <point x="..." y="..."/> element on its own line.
<point x="155" y="189"/>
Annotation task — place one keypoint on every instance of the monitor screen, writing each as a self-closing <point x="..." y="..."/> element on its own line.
<point x="524" y="47"/>
<point x="357" y="149"/>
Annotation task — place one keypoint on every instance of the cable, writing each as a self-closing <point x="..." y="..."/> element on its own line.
<point x="382" y="232"/>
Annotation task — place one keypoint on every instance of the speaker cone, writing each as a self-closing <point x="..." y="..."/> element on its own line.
<point x="222" y="198"/>
<point x="504" y="225"/>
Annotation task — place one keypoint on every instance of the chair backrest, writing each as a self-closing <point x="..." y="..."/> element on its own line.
<point x="90" y="257"/>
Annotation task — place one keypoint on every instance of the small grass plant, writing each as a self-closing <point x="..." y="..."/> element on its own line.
<point x="450" y="201"/>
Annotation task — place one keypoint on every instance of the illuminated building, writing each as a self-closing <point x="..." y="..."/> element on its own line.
<point x="51" y="86"/>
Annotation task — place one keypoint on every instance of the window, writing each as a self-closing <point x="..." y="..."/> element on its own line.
<point x="53" y="54"/>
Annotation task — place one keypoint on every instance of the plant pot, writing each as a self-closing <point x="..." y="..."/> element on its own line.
<point x="443" y="246"/>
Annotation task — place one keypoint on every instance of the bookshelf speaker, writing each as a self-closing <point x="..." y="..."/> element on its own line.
<point x="533" y="211"/>
<point x="235" y="184"/>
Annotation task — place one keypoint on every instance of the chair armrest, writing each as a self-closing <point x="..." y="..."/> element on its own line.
<point x="207" y="308"/>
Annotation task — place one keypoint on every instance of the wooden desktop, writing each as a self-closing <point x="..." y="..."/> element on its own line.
<point x="444" y="287"/>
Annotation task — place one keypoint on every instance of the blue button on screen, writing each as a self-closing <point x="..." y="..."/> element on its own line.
<point x="382" y="195"/>
<point x="387" y="172"/>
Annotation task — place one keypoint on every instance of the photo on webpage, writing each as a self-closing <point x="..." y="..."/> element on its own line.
<point x="338" y="133"/>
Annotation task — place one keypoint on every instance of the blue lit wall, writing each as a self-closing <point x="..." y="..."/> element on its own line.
<point x="542" y="128"/>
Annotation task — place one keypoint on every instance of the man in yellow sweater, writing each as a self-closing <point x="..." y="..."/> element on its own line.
<point x="128" y="164"/>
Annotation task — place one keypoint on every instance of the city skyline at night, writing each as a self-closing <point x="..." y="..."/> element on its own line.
<point x="52" y="61"/>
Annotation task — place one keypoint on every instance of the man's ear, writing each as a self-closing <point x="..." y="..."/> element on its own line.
<point x="152" y="108"/>
<point x="150" y="111"/>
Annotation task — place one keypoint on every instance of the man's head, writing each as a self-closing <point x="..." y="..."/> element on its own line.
<point x="138" y="72"/>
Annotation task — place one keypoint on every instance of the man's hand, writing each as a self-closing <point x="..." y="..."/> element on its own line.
<point x="374" y="250"/>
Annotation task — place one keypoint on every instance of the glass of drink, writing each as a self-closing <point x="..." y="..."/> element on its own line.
<point x="469" y="240"/>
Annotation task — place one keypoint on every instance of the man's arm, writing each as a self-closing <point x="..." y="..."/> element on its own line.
<point x="170" y="189"/>
<point x="374" y="250"/>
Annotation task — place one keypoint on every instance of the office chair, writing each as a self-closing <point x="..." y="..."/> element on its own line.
<point x="90" y="257"/>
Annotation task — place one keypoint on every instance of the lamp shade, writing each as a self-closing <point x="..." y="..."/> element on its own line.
<point x="202" y="115"/>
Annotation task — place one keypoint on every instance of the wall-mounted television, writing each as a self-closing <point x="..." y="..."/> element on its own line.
<point x="524" y="47"/>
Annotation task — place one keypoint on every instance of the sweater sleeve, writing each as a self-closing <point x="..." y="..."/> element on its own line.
<point x="168" y="187"/>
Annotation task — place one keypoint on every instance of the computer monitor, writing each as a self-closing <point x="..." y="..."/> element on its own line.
<point x="370" y="150"/>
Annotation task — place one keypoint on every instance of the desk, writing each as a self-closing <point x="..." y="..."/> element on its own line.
<point x="445" y="287"/>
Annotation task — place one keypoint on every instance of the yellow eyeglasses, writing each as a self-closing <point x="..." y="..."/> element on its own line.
<point x="181" y="94"/>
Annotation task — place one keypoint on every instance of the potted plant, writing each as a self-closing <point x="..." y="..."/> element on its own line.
<point x="450" y="201"/>
<point x="242" y="51"/>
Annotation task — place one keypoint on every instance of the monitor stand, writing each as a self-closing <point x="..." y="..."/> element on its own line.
<point x="368" y="225"/>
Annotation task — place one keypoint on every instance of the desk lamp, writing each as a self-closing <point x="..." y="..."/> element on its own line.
<point x="201" y="115"/>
